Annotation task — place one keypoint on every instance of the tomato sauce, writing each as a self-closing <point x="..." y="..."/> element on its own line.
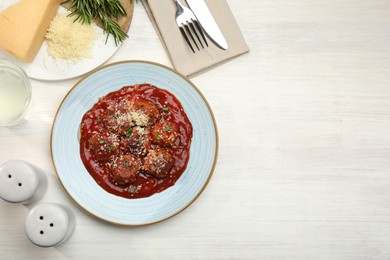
<point x="94" y="122"/>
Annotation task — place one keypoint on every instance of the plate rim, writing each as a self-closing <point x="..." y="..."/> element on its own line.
<point x="216" y="135"/>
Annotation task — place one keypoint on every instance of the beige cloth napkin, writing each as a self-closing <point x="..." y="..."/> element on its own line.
<point x="162" y="14"/>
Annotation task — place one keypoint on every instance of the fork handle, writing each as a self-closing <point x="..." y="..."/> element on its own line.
<point x="179" y="5"/>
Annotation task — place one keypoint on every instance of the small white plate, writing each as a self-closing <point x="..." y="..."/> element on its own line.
<point x="83" y="188"/>
<point x="44" y="67"/>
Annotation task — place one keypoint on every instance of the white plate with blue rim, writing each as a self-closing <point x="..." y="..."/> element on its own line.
<point x="45" y="67"/>
<point x="79" y="184"/>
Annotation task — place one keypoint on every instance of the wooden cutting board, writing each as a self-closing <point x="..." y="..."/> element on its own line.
<point x="125" y="21"/>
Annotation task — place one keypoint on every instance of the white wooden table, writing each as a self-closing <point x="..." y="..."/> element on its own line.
<point x="304" y="157"/>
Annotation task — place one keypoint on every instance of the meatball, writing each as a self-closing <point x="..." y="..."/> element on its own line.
<point x="103" y="145"/>
<point x="165" y="133"/>
<point x="125" y="169"/>
<point x="158" y="163"/>
<point x="144" y="112"/>
<point x="136" y="142"/>
<point x="117" y="119"/>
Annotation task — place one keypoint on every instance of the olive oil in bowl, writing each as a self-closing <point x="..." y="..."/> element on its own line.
<point x="15" y="93"/>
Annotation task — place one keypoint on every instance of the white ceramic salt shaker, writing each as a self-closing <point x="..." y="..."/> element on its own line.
<point x="49" y="224"/>
<point x="21" y="182"/>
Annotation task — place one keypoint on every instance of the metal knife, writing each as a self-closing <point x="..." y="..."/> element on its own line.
<point x="208" y="23"/>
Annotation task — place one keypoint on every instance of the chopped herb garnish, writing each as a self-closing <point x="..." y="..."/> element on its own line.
<point x="98" y="120"/>
<point x="133" y="189"/>
<point x="101" y="141"/>
<point x="158" y="138"/>
<point x="126" y="164"/>
<point x="167" y="128"/>
<point x="165" y="109"/>
<point x="129" y="132"/>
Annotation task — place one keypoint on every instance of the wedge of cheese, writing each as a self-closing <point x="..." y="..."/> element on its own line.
<point x="23" y="27"/>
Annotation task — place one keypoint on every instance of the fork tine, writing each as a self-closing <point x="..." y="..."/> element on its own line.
<point x="188" y="31"/>
<point x="191" y="25"/>
<point x="186" y="38"/>
<point x="201" y="32"/>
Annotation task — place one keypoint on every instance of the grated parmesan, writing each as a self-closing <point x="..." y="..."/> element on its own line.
<point x="70" y="40"/>
<point x="139" y="118"/>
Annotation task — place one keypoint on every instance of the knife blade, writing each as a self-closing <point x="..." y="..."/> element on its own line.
<point x="208" y="23"/>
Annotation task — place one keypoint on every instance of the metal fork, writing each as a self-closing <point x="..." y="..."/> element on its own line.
<point x="189" y="26"/>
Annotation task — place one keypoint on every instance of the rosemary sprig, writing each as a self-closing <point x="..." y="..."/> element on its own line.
<point x="104" y="11"/>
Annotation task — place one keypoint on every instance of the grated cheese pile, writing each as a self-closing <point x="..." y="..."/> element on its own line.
<point x="70" y="40"/>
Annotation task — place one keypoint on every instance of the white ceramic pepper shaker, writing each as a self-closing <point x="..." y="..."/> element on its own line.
<point x="49" y="224"/>
<point x="21" y="182"/>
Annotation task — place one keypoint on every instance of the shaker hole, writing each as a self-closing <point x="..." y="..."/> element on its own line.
<point x="51" y="224"/>
<point x="9" y="176"/>
<point x="41" y="232"/>
<point x="41" y="217"/>
<point x="20" y="184"/>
